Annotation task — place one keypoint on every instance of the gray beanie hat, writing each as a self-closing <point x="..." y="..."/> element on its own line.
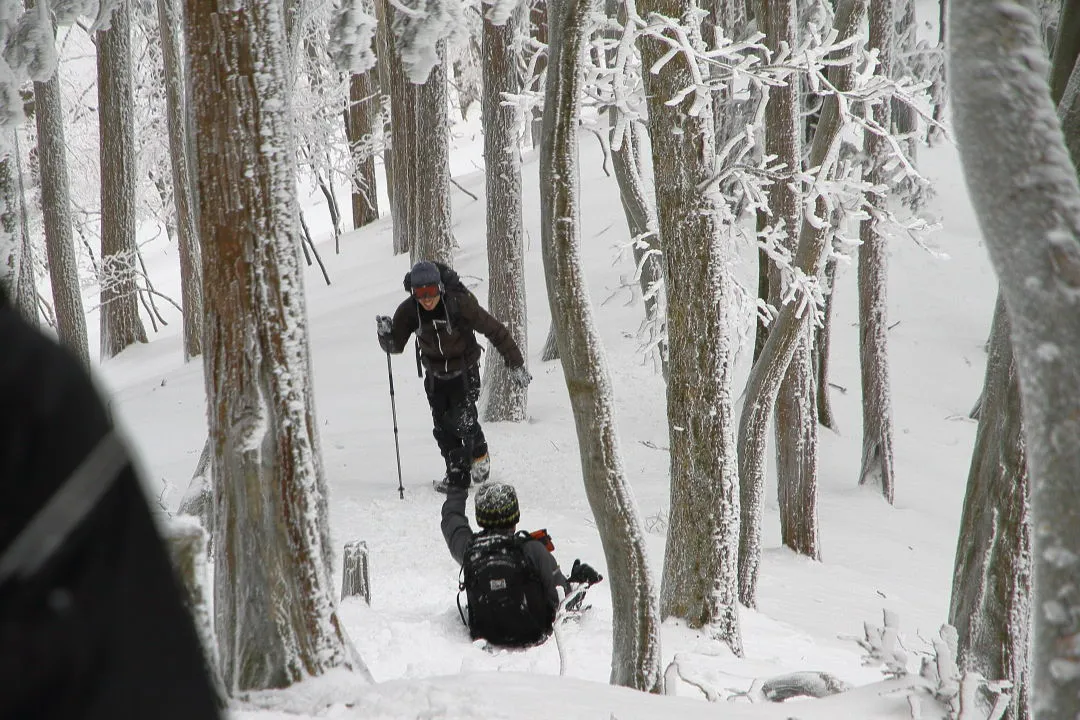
<point x="424" y="273"/>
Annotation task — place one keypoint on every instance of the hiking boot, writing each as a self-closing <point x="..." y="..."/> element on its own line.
<point x="481" y="468"/>
<point x="444" y="484"/>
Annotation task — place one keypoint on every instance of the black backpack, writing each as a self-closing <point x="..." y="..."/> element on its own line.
<point x="506" y="600"/>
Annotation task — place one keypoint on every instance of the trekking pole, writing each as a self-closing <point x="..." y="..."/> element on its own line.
<point x="393" y="409"/>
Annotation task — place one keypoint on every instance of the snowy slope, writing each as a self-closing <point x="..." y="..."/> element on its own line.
<point x="875" y="556"/>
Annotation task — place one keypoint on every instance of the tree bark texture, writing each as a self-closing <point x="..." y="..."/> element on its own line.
<point x="502" y="399"/>
<point x="641" y="223"/>
<point x="56" y="219"/>
<point x="275" y="614"/>
<point x="822" y="344"/>
<point x="638" y="208"/>
<point x="120" y="322"/>
<point x="700" y="583"/>
<point x="384" y="45"/>
<point x="796" y="403"/>
<point x="169" y="12"/>
<point x="551" y="345"/>
<point x="1066" y="49"/>
<point x="16" y="252"/>
<point x="1027" y="200"/>
<point x="420" y="147"/>
<point x="363" y="124"/>
<point x="787" y="332"/>
<point x="991" y="592"/>
<point x="877" y="449"/>
<point x="636" y="652"/>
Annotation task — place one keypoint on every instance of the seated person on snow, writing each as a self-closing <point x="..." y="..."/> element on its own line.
<point x="511" y="580"/>
<point x="445" y="317"/>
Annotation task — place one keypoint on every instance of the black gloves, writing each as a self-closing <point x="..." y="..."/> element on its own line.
<point x="582" y="573"/>
<point x="385" y="328"/>
<point x="458" y="478"/>
<point x="520" y="376"/>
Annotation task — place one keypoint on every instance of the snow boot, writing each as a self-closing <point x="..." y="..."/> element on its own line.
<point x="481" y="468"/>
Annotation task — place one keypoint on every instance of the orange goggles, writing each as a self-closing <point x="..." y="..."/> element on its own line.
<point x="426" y="292"/>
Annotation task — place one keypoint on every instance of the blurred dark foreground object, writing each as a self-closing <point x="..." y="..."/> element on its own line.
<point x="92" y="624"/>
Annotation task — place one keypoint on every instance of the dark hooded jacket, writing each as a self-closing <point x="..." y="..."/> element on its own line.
<point x="92" y="624"/>
<point x="446" y="334"/>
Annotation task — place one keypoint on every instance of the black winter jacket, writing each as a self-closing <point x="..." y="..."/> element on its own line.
<point x="446" y="334"/>
<point x="91" y="621"/>
<point x="458" y="534"/>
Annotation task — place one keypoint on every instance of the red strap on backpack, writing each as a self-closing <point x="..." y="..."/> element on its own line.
<point x="542" y="536"/>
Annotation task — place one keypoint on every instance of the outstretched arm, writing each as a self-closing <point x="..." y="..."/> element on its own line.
<point x="484" y="322"/>
<point x="455" y="525"/>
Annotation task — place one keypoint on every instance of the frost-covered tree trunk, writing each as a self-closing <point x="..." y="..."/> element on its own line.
<point x="641" y="222"/>
<point x="1027" y="200"/>
<point x="796" y="403"/>
<point x="275" y="615"/>
<point x="26" y="298"/>
<point x="429" y="152"/>
<point x="905" y="121"/>
<point x="120" y="322"/>
<point x="1066" y="49"/>
<point x="16" y="258"/>
<point x="788" y="330"/>
<point x="188" y="241"/>
<point x="991" y="592"/>
<point x="822" y="344"/>
<point x="700" y="582"/>
<point x="877" y="451"/>
<point x="638" y="208"/>
<point x="636" y="653"/>
<point x="363" y="121"/>
<point x="502" y="398"/>
<point x="56" y="219"/>
<point x="420" y="149"/>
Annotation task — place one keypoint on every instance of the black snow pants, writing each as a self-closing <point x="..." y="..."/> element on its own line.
<point x="453" y="410"/>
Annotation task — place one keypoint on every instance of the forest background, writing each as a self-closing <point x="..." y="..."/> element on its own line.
<point x="722" y="143"/>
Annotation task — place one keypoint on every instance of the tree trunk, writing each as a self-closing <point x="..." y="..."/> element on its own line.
<point x="26" y="297"/>
<point x="276" y="619"/>
<point x="991" y="592"/>
<point x="1027" y="200"/>
<point x="384" y="46"/>
<point x="503" y="399"/>
<point x="788" y="330"/>
<point x="1066" y="49"/>
<point x="420" y="203"/>
<point x="551" y="346"/>
<point x="188" y="242"/>
<point x="120" y="322"/>
<point x="877" y="452"/>
<point x="700" y="582"/>
<point x="56" y="219"/>
<point x="362" y="124"/>
<point x="796" y="411"/>
<point x="822" y="343"/>
<point x="538" y="17"/>
<point x="636" y="647"/>
<point x="626" y="153"/>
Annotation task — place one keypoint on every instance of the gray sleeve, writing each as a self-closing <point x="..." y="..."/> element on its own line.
<point x="551" y="576"/>
<point x="455" y="525"/>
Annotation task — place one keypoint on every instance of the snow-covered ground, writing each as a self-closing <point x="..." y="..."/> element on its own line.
<point x="875" y="556"/>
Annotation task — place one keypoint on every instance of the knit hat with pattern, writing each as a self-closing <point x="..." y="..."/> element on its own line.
<point x="497" y="506"/>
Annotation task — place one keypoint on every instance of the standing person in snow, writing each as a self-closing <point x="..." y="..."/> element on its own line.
<point x="512" y="582"/>
<point x="445" y="317"/>
<point x="92" y="624"/>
